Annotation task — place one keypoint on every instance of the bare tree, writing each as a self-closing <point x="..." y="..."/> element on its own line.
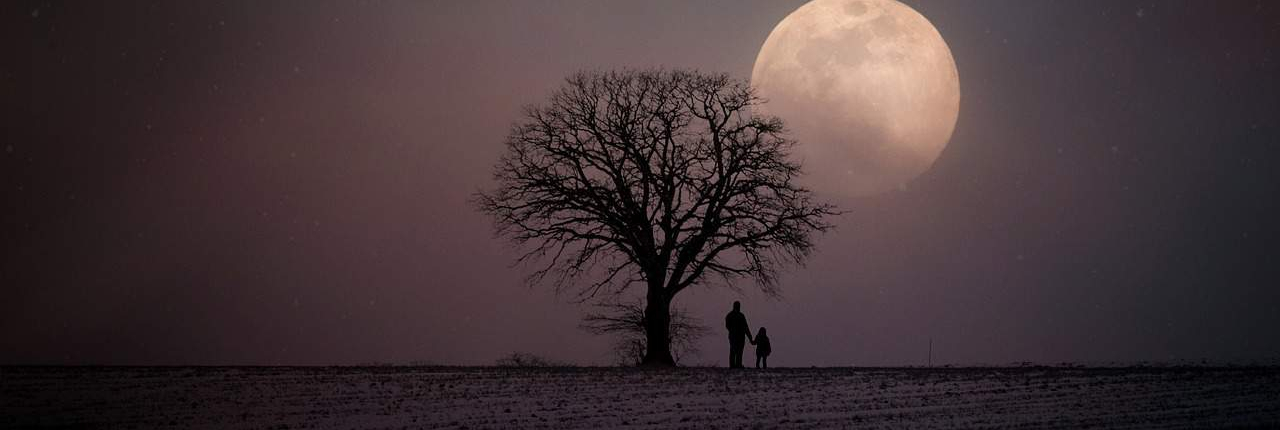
<point x="626" y="321"/>
<point x="663" y="179"/>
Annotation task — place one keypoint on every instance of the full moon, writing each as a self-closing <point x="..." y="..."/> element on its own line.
<point x="867" y="87"/>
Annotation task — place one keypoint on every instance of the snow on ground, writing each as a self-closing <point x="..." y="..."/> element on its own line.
<point x="506" y="398"/>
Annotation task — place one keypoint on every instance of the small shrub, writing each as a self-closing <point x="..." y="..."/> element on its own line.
<point x="524" y="359"/>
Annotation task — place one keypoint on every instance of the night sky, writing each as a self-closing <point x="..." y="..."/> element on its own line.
<point x="288" y="183"/>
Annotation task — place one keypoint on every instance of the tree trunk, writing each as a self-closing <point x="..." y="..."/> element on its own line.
<point x="657" y="330"/>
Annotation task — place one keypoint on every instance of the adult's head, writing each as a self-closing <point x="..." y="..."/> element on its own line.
<point x="737" y="306"/>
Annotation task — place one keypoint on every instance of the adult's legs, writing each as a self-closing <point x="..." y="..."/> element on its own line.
<point x="735" y="352"/>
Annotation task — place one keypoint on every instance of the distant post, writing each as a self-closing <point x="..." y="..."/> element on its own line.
<point x="930" y="352"/>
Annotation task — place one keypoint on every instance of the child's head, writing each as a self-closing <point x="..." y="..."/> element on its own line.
<point x="761" y="332"/>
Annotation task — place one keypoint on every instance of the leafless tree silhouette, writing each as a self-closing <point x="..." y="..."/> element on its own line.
<point x="664" y="179"/>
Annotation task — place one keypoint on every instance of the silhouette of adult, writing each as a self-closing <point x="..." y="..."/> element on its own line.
<point x="739" y="333"/>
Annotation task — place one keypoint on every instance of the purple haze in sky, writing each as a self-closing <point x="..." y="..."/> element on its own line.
<point x="288" y="183"/>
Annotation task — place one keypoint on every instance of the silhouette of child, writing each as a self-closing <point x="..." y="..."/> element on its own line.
<point x="762" y="349"/>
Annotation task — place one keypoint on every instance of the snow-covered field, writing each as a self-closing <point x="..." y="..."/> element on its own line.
<point x="502" y="398"/>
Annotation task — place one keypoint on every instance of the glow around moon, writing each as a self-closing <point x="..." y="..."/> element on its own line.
<point x="867" y="87"/>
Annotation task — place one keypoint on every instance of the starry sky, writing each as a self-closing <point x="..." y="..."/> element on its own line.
<point x="288" y="183"/>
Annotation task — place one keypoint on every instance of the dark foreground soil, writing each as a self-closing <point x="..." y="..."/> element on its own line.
<point x="505" y="398"/>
